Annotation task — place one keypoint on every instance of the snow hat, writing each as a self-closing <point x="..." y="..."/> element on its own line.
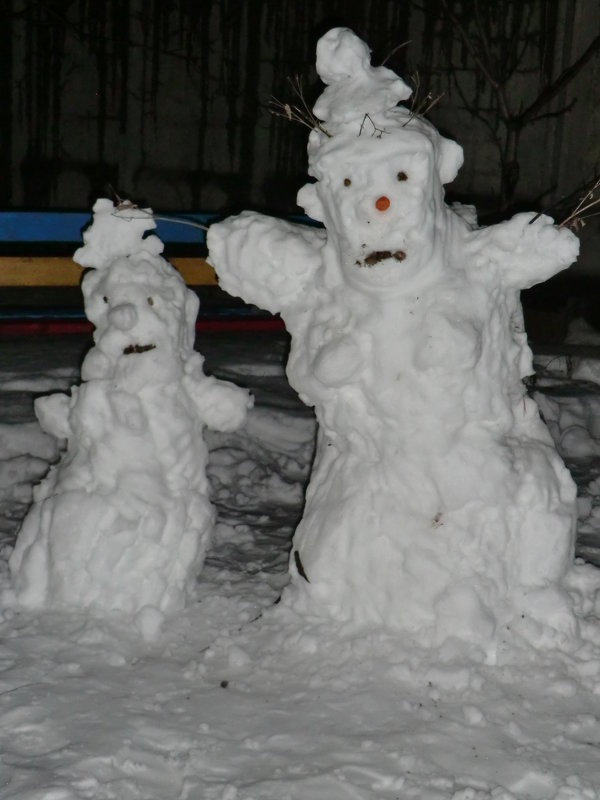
<point x="362" y="100"/>
<point x="115" y="233"/>
<point x="353" y="85"/>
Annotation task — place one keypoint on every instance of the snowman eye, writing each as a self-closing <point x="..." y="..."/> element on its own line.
<point x="105" y="298"/>
<point x="150" y="301"/>
<point x="347" y="181"/>
<point x="402" y="176"/>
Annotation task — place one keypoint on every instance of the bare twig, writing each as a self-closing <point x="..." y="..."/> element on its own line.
<point x="428" y="102"/>
<point x="127" y="205"/>
<point x="289" y="112"/>
<point x="565" y="77"/>
<point x="298" y="89"/>
<point x="395" y="50"/>
<point x="483" y="37"/>
<point x="490" y="121"/>
<point x="378" y="132"/>
<point x="164" y="218"/>
<point x="484" y="68"/>
<point x="297" y="113"/>
<point x="576" y="219"/>
<point x="552" y="114"/>
<point x="419" y="107"/>
<point x="496" y="44"/>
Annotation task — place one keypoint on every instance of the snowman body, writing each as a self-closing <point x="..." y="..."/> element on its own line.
<point x="437" y="503"/>
<point x="124" y="520"/>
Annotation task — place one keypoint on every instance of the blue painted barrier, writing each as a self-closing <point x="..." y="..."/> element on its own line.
<point x="67" y="227"/>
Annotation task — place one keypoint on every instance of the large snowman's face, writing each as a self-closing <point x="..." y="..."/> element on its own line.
<point x="139" y="323"/>
<point x="380" y="205"/>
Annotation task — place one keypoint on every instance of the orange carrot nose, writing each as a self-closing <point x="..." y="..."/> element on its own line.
<point x="382" y="203"/>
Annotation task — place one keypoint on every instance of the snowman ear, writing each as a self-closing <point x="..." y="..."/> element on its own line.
<point x="450" y="159"/>
<point x="308" y="199"/>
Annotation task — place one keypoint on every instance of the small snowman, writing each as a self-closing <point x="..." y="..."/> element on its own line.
<point x="437" y="503"/>
<point x="123" y="521"/>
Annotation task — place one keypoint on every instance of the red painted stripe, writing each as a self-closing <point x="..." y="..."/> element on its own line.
<point x="43" y="327"/>
<point x="58" y="327"/>
<point x="241" y="324"/>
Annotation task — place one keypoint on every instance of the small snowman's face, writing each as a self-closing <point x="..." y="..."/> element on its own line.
<point x="379" y="205"/>
<point x="137" y="323"/>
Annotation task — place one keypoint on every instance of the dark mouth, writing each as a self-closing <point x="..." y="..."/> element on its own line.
<point x="381" y="255"/>
<point x="138" y="348"/>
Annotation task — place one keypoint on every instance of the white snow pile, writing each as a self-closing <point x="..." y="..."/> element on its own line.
<point x="26" y="453"/>
<point x="567" y="389"/>
<point x="580" y="364"/>
<point x="124" y="520"/>
<point x="226" y="705"/>
<point x="437" y="503"/>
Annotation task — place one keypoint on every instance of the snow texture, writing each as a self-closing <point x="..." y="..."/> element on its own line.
<point x="437" y="502"/>
<point x="227" y="704"/>
<point x="123" y="521"/>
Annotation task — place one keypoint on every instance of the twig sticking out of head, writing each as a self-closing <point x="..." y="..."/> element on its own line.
<point x="123" y="206"/>
<point x="120" y="202"/>
<point x="420" y="106"/>
<point x="576" y="219"/>
<point x="301" y="113"/>
<point x="377" y="132"/>
<point x="426" y="104"/>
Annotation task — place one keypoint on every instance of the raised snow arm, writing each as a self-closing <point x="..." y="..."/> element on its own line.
<point x="525" y="250"/>
<point x="267" y="261"/>
<point x="53" y="413"/>
<point x="221" y="405"/>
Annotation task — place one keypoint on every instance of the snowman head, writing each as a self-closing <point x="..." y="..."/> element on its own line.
<point x="144" y="322"/>
<point x="143" y="313"/>
<point x="379" y="168"/>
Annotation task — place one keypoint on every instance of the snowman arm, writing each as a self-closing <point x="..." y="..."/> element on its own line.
<point x="525" y="250"/>
<point x="264" y="260"/>
<point x="221" y="405"/>
<point x="52" y="412"/>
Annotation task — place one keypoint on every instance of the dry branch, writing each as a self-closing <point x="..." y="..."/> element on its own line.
<point x="297" y="113"/>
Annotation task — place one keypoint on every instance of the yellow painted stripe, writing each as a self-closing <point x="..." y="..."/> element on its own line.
<point x="63" y="271"/>
<point x="195" y="271"/>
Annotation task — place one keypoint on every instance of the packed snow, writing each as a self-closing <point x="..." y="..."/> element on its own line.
<point x="124" y="520"/>
<point x="229" y="705"/>
<point x="251" y="692"/>
<point x="437" y="502"/>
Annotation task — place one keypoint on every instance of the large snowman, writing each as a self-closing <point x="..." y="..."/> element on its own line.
<point x="124" y="520"/>
<point x="437" y="503"/>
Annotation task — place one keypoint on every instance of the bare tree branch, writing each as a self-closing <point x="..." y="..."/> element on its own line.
<point x="551" y="114"/>
<point x="490" y="121"/>
<point x="394" y="51"/>
<point x="565" y="77"/>
<point x="484" y="68"/>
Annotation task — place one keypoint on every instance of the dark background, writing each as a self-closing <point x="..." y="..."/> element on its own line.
<point x="167" y="103"/>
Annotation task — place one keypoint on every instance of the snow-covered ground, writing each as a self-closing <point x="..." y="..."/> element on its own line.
<point x="239" y="698"/>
